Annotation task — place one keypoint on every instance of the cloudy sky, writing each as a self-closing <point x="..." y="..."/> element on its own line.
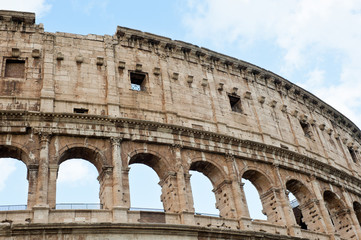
<point x="313" y="43"/>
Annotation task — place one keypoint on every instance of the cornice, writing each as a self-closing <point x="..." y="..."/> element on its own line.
<point x="277" y="152"/>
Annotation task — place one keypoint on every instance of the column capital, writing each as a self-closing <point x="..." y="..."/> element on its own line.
<point x="178" y="146"/>
<point x="229" y="157"/>
<point x="116" y="140"/>
<point x="44" y="137"/>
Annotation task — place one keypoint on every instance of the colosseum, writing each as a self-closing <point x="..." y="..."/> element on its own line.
<point x="136" y="97"/>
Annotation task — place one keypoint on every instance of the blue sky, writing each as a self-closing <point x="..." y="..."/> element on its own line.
<point x="313" y="43"/>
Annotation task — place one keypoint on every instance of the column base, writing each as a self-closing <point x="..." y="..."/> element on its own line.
<point x="41" y="213"/>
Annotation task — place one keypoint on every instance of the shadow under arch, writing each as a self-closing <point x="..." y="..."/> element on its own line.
<point x="151" y="159"/>
<point x="16" y="152"/>
<point x="89" y="153"/>
<point x="307" y="213"/>
<point x="214" y="173"/>
<point x="357" y="210"/>
<point x="258" y="179"/>
<point x="339" y="214"/>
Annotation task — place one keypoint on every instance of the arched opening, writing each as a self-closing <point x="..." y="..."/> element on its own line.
<point x="77" y="185"/>
<point x="298" y="197"/>
<point x="221" y="188"/>
<point x="253" y="201"/>
<point x="203" y="197"/>
<point x="266" y="195"/>
<point x="357" y="209"/>
<point x="339" y="215"/>
<point x="13" y="184"/>
<point x="81" y="181"/>
<point x="16" y="182"/>
<point x="145" y="192"/>
<point x="145" y="183"/>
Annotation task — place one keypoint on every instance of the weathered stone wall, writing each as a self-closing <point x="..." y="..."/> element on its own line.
<point x="69" y="96"/>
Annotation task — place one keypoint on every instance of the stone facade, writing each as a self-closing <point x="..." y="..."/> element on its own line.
<point x="135" y="97"/>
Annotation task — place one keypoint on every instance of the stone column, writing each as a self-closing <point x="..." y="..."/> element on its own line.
<point x="32" y="180"/>
<point x="170" y="194"/>
<point x="41" y="209"/>
<point x="224" y="200"/>
<point x="184" y="190"/>
<point x="312" y="216"/>
<point x="324" y="212"/>
<point x="289" y="217"/>
<point x="53" y="176"/>
<point x="125" y="181"/>
<point x="43" y="174"/>
<point x="106" y="187"/>
<point x="118" y="194"/>
<point x="272" y="206"/>
<point x="188" y="217"/>
<point x="237" y="189"/>
<point x="185" y="200"/>
<point x="353" y="218"/>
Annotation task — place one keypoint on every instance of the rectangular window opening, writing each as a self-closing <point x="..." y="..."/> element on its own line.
<point x="81" y="110"/>
<point x="353" y="154"/>
<point x="15" y="68"/>
<point x="137" y="81"/>
<point x="235" y="103"/>
<point x="306" y="129"/>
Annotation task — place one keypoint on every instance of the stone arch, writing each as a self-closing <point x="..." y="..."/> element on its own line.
<point x="258" y="179"/>
<point x="88" y="152"/>
<point x="307" y="213"/>
<point x="18" y="152"/>
<point x="339" y="214"/>
<point x="152" y="159"/>
<point x="210" y="169"/>
<point x="94" y="156"/>
<point x="357" y="210"/>
<point x="222" y="186"/>
<point x="167" y="177"/>
<point x="269" y="195"/>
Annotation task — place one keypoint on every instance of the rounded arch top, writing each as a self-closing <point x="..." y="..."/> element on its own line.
<point x="89" y="153"/>
<point x="15" y="151"/>
<point x="258" y="179"/>
<point x="151" y="159"/>
<point x="215" y="174"/>
<point x="333" y="201"/>
<point x="299" y="190"/>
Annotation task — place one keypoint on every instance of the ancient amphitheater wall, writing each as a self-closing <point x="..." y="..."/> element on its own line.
<point x="139" y="98"/>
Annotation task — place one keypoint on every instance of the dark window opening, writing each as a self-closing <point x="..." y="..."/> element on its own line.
<point x="81" y="110"/>
<point x="235" y="102"/>
<point x="137" y="81"/>
<point x="306" y="129"/>
<point x="353" y="154"/>
<point x="15" y="68"/>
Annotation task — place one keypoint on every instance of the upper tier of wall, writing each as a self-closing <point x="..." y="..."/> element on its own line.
<point x="180" y="84"/>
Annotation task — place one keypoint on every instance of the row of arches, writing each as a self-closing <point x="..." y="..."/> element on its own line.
<point x="227" y="184"/>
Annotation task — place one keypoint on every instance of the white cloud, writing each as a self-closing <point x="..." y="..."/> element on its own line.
<point x="315" y="79"/>
<point x="40" y="7"/>
<point x="309" y="33"/>
<point x="7" y="167"/>
<point x="76" y="171"/>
